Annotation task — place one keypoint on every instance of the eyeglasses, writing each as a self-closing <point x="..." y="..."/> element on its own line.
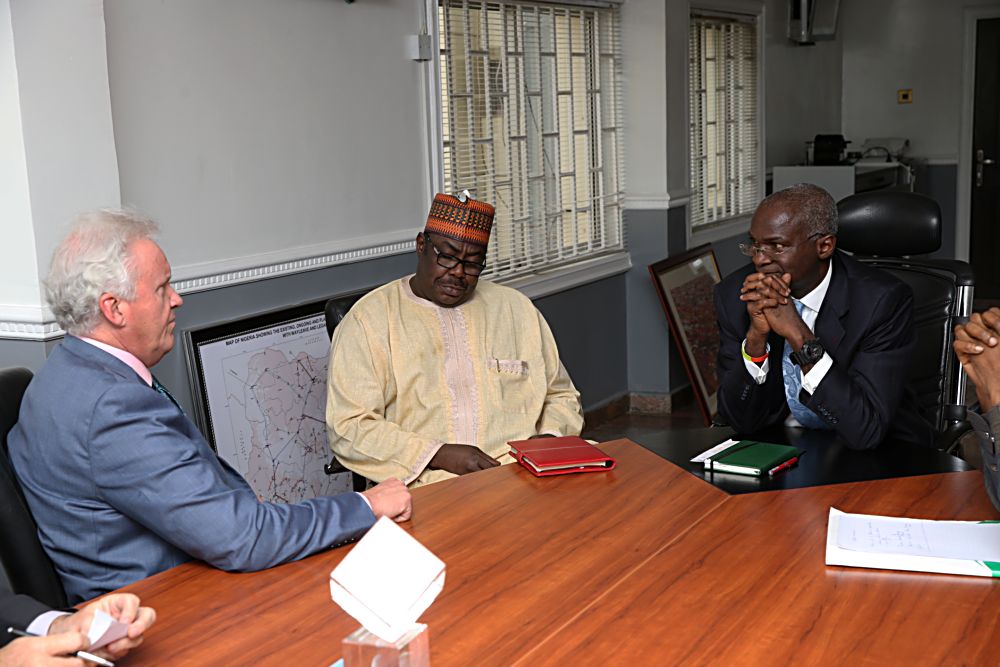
<point x="450" y="261"/>
<point x="772" y="249"/>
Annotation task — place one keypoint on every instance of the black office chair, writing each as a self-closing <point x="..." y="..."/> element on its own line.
<point x="28" y="567"/>
<point x="334" y="311"/>
<point x="885" y="229"/>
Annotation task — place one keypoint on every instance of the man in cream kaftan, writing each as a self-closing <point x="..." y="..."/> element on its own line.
<point x="431" y="375"/>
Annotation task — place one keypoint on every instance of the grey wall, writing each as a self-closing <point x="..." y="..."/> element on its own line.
<point x="648" y="335"/>
<point x="238" y="115"/>
<point x="231" y="303"/>
<point x="654" y="363"/>
<point x="915" y="44"/>
<point x="802" y="89"/>
<point x="26" y="353"/>
<point x="654" y="366"/>
<point x="589" y="323"/>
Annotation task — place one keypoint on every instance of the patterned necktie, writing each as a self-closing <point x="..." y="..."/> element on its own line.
<point x="163" y="390"/>
<point x="793" y="384"/>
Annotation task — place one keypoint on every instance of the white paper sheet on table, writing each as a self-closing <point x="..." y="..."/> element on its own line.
<point x="951" y="547"/>
<point x="387" y="581"/>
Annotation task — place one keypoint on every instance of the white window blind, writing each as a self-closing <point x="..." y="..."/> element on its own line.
<point x="726" y="169"/>
<point x="531" y="115"/>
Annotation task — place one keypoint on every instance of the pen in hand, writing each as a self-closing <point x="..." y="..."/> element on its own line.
<point x="83" y="655"/>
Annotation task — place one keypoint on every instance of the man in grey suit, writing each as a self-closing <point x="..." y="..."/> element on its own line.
<point x="121" y="483"/>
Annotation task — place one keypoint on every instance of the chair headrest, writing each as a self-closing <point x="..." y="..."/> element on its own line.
<point x="889" y="224"/>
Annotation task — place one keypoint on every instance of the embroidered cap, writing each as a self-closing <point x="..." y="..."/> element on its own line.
<point x="469" y="221"/>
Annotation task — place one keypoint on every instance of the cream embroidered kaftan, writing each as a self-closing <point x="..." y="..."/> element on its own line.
<point x="407" y="376"/>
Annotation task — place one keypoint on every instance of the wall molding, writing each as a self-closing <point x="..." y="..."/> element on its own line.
<point x="216" y="275"/>
<point x="34" y="323"/>
<point x="680" y="199"/>
<point x="560" y="279"/>
<point x="657" y="202"/>
<point x="647" y="203"/>
<point x="719" y="231"/>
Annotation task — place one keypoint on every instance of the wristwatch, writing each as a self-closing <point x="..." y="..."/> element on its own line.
<point x="810" y="353"/>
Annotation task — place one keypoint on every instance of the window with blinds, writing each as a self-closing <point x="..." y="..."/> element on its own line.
<point x="726" y="165"/>
<point x="531" y="115"/>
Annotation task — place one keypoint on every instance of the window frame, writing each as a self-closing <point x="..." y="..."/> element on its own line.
<point x="588" y="267"/>
<point x="733" y="9"/>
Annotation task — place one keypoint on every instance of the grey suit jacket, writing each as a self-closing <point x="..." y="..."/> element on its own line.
<point x="123" y="485"/>
<point x="17" y="611"/>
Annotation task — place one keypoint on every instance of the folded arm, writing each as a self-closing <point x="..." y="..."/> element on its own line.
<point x="146" y="466"/>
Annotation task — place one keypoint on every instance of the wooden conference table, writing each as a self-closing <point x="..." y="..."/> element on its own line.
<point x="644" y="565"/>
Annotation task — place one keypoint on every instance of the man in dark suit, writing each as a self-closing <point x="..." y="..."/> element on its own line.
<point x="812" y="337"/>
<point x="120" y="482"/>
<point x="62" y="634"/>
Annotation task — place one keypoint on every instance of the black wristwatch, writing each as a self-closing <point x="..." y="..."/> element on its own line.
<point x="810" y="353"/>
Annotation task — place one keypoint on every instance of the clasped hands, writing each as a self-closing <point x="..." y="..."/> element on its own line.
<point x="977" y="346"/>
<point x="769" y="304"/>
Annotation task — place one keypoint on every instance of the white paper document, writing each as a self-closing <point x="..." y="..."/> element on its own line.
<point x="387" y="581"/>
<point x="952" y="547"/>
<point x="104" y="629"/>
<point x="708" y="453"/>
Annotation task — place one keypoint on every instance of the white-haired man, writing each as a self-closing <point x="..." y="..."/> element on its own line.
<point x="121" y="483"/>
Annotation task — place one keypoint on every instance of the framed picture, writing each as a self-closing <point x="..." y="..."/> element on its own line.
<point x="259" y="385"/>
<point x="685" y="285"/>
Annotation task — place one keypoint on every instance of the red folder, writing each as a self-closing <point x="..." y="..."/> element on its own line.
<point x="560" y="456"/>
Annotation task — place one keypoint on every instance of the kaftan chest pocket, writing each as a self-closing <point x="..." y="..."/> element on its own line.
<point x="511" y="382"/>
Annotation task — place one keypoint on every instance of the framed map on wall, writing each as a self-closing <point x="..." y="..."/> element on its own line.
<point x="259" y="386"/>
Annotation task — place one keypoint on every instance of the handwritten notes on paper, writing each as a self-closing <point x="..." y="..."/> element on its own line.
<point x="920" y="545"/>
<point x="967" y="540"/>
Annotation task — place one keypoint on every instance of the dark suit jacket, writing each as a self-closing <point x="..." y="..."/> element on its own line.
<point x="17" y="611"/>
<point x="866" y="326"/>
<point x="122" y="484"/>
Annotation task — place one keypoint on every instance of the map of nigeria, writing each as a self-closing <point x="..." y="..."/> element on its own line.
<point x="267" y="396"/>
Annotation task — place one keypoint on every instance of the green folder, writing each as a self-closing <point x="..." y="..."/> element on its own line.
<point x="749" y="457"/>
